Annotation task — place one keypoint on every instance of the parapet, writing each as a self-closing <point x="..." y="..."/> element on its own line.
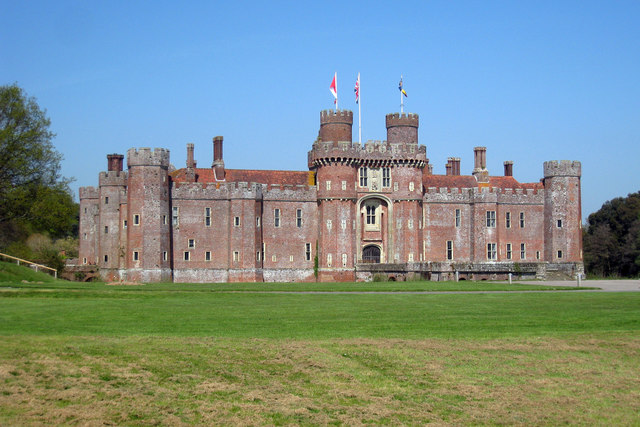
<point x="336" y="125"/>
<point x="562" y="168"/>
<point x="147" y="157"/>
<point x="112" y="178"/>
<point x="404" y="119"/>
<point x="89" y="193"/>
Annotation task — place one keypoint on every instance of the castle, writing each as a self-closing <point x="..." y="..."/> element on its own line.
<point x="359" y="211"/>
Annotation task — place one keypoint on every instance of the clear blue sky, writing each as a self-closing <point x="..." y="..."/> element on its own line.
<point x="530" y="80"/>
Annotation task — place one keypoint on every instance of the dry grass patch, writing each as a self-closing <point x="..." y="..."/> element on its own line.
<point x="142" y="381"/>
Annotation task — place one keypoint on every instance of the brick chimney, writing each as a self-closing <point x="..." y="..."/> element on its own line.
<point x="114" y="162"/>
<point x="455" y="166"/>
<point x="480" y="164"/>
<point x="508" y="168"/>
<point x="191" y="164"/>
<point x="218" y="163"/>
<point x="449" y="165"/>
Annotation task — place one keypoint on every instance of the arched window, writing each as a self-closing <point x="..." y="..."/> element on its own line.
<point x="371" y="254"/>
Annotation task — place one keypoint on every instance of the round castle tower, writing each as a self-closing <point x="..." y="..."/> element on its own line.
<point x="402" y="128"/>
<point x="148" y="215"/>
<point x="336" y="126"/>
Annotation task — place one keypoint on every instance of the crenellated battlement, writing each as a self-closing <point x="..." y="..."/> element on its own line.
<point x="286" y="192"/>
<point x="147" y="157"/>
<point x="404" y="119"/>
<point x="89" y="193"/>
<point x="562" y="168"/>
<point x="340" y="116"/>
<point x="497" y="195"/>
<point x="217" y="191"/>
<point x="113" y="178"/>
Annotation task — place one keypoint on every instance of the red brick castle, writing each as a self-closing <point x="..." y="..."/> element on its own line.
<point x="360" y="211"/>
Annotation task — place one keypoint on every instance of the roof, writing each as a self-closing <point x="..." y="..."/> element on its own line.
<point x="249" y="175"/>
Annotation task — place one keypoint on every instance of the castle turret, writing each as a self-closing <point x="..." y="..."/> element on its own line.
<point x="562" y="213"/>
<point x="112" y="205"/>
<point x="336" y="126"/>
<point x="88" y="226"/>
<point x="402" y="128"/>
<point x="148" y="215"/>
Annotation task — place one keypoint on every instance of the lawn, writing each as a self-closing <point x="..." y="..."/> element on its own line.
<point x="202" y="354"/>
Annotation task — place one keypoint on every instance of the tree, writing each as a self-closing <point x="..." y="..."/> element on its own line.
<point x="33" y="195"/>
<point x="612" y="238"/>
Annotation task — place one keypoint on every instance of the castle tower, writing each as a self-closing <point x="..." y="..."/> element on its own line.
<point x="88" y="226"/>
<point x="336" y="126"/>
<point x="334" y="159"/>
<point x="112" y="204"/>
<point x="148" y="255"/>
<point x="402" y="128"/>
<point x="562" y="213"/>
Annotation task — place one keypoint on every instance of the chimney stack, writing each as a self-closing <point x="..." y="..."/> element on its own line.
<point x="508" y="168"/>
<point x="191" y="163"/>
<point x="480" y="164"/>
<point x="449" y="166"/>
<point x="114" y="162"/>
<point x="218" y="163"/>
<point x="455" y="166"/>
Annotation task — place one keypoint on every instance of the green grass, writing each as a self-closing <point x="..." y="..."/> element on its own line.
<point x="75" y="353"/>
<point x="12" y="272"/>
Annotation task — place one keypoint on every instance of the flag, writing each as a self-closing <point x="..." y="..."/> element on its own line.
<point x="334" y="87"/>
<point x="400" y="87"/>
<point x="357" y="89"/>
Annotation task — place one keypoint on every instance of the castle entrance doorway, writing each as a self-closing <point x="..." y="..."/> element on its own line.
<point x="371" y="254"/>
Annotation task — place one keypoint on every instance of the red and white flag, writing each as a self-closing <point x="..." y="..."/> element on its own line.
<point x="334" y="88"/>
<point x="357" y="89"/>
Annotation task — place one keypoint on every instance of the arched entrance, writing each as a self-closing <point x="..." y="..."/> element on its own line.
<point x="371" y="254"/>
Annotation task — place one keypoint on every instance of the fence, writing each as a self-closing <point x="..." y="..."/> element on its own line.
<point x="33" y="265"/>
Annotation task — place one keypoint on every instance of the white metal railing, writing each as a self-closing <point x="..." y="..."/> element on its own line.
<point x="31" y="264"/>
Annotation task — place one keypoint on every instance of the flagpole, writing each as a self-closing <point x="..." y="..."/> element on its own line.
<point x="359" y="114"/>
<point x="401" y="98"/>
<point x="336" y="91"/>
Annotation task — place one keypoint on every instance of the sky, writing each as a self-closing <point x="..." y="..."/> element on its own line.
<point x="530" y="80"/>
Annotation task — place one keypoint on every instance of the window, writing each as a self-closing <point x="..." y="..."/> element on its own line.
<point x="449" y="249"/>
<point x="274" y="258"/>
<point x="371" y="215"/>
<point x="411" y="186"/>
<point x="106" y="200"/>
<point x="191" y="243"/>
<point x="410" y="224"/>
<point x="343" y="224"/>
<point x="207" y="217"/>
<point x="236" y="256"/>
<point x="136" y="255"/>
<point x="299" y="218"/>
<point x="84" y="260"/>
<point x="363" y="176"/>
<point x="175" y="220"/>
<point x="395" y="186"/>
<point x="329" y="224"/>
<point x="164" y="220"/>
<point x="328" y="185"/>
<point x="106" y="229"/>
<point x="491" y="251"/>
<point x="329" y="260"/>
<point x="258" y="256"/>
<point x="458" y="217"/>
<point x="258" y="221"/>
<point x="207" y="256"/>
<point x="307" y="251"/>
<point x="559" y="223"/>
<point x="236" y="221"/>
<point x="186" y="255"/>
<point x="136" y="219"/>
<point x="523" y="251"/>
<point x="290" y="258"/>
<point x="537" y="254"/>
<point x="386" y="177"/>
<point x="276" y="217"/>
<point x="491" y="219"/>
<point x="106" y="258"/>
<point x="344" y="260"/>
<point x="508" y="250"/>
<point x="521" y="219"/>
<point x="559" y="254"/>
<point x="165" y="256"/>
<point x="507" y="220"/>
<point x="124" y="223"/>
<point x="344" y="185"/>
<point x="410" y="258"/>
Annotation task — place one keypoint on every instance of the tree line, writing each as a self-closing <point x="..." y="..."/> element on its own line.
<point x="38" y="216"/>
<point x="611" y="239"/>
